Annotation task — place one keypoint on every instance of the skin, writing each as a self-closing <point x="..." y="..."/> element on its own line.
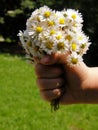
<point x="71" y="84"/>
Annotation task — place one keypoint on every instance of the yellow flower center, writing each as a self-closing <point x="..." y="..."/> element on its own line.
<point x="32" y="27"/>
<point x="60" y="45"/>
<point x="61" y="20"/>
<point x="50" y="23"/>
<point x="52" y="32"/>
<point x="58" y="37"/>
<point x="74" y="60"/>
<point x="49" y="45"/>
<point x="74" y="46"/>
<point x="36" y="48"/>
<point x="80" y="38"/>
<point x="29" y="43"/>
<point x="47" y="14"/>
<point x="75" y="25"/>
<point x="65" y="14"/>
<point x="68" y="37"/>
<point x="74" y="16"/>
<point x="39" y="29"/>
<point x="38" y="18"/>
<point x="83" y="45"/>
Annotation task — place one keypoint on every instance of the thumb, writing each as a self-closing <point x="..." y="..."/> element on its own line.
<point x="54" y="58"/>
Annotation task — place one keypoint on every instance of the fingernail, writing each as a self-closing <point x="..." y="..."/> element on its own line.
<point x="57" y="92"/>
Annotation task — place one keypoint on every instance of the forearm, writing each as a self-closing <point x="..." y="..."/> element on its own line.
<point x="91" y="91"/>
<point x="93" y="78"/>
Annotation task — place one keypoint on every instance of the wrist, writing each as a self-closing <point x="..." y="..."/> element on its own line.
<point x="91" y="86"/>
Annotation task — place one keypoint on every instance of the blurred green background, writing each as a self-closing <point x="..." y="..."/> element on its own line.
<point x="21" y="107"/>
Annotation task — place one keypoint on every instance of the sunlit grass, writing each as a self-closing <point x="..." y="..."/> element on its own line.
<point x="21" y="107"/>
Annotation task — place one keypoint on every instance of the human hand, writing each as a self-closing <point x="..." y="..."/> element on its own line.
<point x="55" y="77"/>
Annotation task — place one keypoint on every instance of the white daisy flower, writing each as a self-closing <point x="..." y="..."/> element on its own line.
<point x="49" y="32"/>
<point x="74" y="15"/>
<point x="48" y="46"/>
<point x="62" y="46"/>
<point x="51" y="22"/>
<point x="74" y="59"/>
<point x="24" y="39"/>
<point x="83" y="42"/>
<point x="45" y="12"/>
<point x="58" y="36"/>
<point x="74" y="47"/>
<point x="60" y="21"/>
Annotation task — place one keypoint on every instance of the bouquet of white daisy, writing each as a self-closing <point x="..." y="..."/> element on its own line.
<point x="49" y="31"/>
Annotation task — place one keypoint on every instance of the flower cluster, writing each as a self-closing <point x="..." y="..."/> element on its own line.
<point x="49" y="31"/>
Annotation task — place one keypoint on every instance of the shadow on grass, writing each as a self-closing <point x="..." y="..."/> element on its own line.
<point x="11" y="48"/>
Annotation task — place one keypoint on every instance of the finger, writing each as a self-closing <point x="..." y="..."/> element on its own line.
<point x="51" y="94"/>
<point x="44" y="71"/>
<point x="54" y="58"/>
<point x="48" y="84"/>
<point x="48" y="60"/>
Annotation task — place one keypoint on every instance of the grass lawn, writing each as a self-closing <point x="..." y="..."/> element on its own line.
<point x="21" y="107"/>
